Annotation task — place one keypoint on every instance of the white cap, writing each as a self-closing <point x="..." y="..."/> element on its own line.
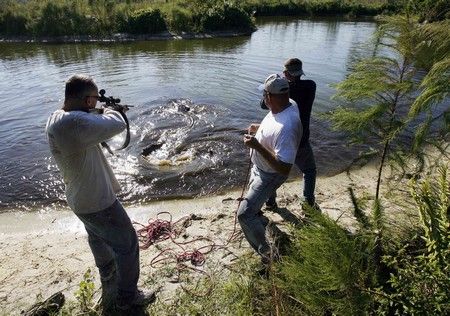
<point x="275" y="84"/>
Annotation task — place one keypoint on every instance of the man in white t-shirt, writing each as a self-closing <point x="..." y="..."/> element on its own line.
<point x="273" y="152"/>
<point x="74" y="134"/>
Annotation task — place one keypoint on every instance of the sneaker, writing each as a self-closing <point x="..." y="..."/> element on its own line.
<point x="142" y="298"/>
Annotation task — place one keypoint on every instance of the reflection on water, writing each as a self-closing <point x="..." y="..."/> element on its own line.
<point x="195" y="151"/>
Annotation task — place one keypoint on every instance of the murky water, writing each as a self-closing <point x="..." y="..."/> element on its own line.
<point x="195" y="151"/>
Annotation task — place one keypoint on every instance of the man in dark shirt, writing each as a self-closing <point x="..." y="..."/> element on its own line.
<point x="303" y="92"/>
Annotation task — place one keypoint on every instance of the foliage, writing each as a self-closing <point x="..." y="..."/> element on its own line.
<point x="13" y="22"/>
<point x="430" y="10"/>
<point x="420" y="284"/>
<point x="180" y="20"/>
<point x="433" y="202"/>
<point x="61" y="19"/>
<point x="329" y="268"/>
<point x="146" y="21"/>
<point x="419" y="287"/>
<point x="106" y="17"/>
<point x="379" y="93"/>
<point x="225" y="16"/>
<point x="333" y="271"/>
<point x="85" y="292"/>
<point x="319" y="7"/>
<point x="434" y="54"/>
<point x="380" y="106"/>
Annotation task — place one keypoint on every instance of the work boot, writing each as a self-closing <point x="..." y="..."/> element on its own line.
<point x="141" y="298"/>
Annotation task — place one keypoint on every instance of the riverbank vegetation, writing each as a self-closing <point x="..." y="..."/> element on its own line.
<point x="331" y="271"/>
<point x="97" y="18"/>
<point x="395" y="260"/>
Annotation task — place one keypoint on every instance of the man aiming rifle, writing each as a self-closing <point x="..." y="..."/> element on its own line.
<point x="74" y="134"/>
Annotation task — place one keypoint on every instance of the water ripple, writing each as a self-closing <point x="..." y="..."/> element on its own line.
<point x="195" y="152"/>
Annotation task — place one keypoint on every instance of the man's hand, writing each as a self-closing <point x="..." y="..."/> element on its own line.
<point x="125" y="108"/>
<point x="250" y="141"/>
<point x="279" y="166"/>
<point x="252" y="129"/>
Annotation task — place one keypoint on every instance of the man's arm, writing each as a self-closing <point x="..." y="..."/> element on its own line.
<point x="96" y="128"/>
<point x="278" y="165"/>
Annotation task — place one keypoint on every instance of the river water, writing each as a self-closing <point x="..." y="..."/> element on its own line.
<point x="199" y="151"/>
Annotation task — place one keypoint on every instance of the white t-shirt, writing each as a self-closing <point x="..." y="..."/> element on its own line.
<point x="74" y="139"/>
<point x="280" y="133"/>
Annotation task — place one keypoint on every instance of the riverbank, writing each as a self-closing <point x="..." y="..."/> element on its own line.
<point x="122" y="37"/>
<point x="46" y="252"/>
<point x="52" y="19"/>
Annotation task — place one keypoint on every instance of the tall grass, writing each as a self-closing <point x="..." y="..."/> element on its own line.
<point x="327" y="269"/>
<point x="320" y="7"/>
<point x="146" y="21"/>
<point x="106" y="17"/>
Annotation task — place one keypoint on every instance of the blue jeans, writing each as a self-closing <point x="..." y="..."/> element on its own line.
<point x="306" y="162"/>
<point x="261" y="186"/>
<point x="114" y="244"/>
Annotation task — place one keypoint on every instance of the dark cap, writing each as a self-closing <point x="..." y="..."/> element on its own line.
<point x="294" y="66"/>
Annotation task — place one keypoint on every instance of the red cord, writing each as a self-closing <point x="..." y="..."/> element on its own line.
<point x="159" y="230"/>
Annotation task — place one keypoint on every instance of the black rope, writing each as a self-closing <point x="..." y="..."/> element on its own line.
<point x="127" y="138"/>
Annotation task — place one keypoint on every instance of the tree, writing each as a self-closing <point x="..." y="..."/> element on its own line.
<point x="387" y="101"/>
<point x="385" y="96"/>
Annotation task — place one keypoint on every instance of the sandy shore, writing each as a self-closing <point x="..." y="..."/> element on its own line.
<point x="46" y="252"/>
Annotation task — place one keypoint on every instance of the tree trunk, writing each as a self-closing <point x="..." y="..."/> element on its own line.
<point x="380" y="169"/>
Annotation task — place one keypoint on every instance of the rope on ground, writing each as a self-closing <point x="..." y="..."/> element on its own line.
<point x="156" y="230"/>
<point x="159" y="230"/>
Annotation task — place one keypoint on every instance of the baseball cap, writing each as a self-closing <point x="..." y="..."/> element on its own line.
<point x="294" y="66"/>
<point x="275" y="84"/>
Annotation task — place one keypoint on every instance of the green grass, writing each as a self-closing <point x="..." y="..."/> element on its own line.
<point x="43" y="18"/>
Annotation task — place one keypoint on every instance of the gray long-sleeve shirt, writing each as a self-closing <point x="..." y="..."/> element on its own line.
<point x="74" y="139"/>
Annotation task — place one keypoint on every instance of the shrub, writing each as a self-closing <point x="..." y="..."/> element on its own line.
<point x="327" y="7"/>
<point x="180" y="20"/>
<point x="13" y="23"/>
<point x="146" y="21"/>
<point x="57" y="20"/>
<point x="328" y="268"/>
<point x="225" y="17"/>
<point x="120" y="19"/>
<point x="418" y="287"/>
<point x="419" y="284"/>
<point x="430" y="10"/>
<point x="85" y="292"/>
